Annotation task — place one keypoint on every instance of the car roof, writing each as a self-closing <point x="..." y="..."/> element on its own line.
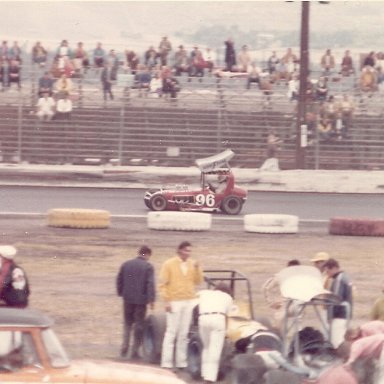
<point x="23" y="317"/>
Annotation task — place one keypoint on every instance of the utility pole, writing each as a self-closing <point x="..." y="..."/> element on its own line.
<point x="301" y="126"/>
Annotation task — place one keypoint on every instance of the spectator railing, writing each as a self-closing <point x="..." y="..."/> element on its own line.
<point x="208" y="115"/>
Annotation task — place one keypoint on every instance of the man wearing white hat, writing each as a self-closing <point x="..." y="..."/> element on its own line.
<point x="319" y="259"/>
<point x="14" y="287"/>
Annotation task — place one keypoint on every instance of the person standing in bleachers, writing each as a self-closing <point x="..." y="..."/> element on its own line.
<point x="230" y="55"/>
<point x="106" y="81"/>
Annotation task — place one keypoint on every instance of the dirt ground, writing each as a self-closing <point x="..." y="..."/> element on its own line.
<point x="72" y="272"/>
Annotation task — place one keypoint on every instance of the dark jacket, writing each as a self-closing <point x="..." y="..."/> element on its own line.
<point x="12" y="296"/>
<point x="135" y="281"/>
<point x="342" y="287"/>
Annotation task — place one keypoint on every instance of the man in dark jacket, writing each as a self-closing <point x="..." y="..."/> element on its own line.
<point x="14" y="287"/>
<point x="135" y="283"/>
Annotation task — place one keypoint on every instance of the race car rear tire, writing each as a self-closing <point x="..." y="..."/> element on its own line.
<point x="246" y="369"/>
<point x="271" y="223"/>
<point x="78" y="218"/>
<point x="149" y="193"/>
<point x="158" y="203"/>
<point x="194" y="351"/>
<point x="154" y="330"/>
<point x="231" y="205"/>
<point x="179" y="221"/>
<point x="348" y="226"/>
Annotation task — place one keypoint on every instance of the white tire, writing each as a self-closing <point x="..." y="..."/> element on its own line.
<point x="179" y="221"/>
<point x="78" y="218"/>
<point x="271" y="223"/>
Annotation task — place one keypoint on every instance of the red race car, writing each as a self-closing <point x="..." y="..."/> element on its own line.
<point x="217" y="192"/>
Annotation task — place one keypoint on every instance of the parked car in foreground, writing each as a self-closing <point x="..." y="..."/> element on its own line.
<point x="217" y="191"/>
<point x="30" y="352"/>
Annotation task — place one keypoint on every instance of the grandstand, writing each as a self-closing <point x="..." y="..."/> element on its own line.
<point x="209" y="115"/>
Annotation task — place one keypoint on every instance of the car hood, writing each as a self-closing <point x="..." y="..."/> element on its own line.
<point x="114" y="372"/>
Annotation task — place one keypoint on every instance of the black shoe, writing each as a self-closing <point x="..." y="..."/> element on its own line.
<point x="123" y="352"/>
<point x="135" y="356"/>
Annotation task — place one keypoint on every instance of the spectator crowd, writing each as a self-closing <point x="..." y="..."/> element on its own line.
<point x="156" y="73"/>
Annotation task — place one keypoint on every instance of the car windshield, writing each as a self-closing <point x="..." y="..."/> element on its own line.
<point x="55" y="350"/>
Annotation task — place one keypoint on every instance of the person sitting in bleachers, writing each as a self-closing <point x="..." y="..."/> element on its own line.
<point x="142" y="79"/>
<point x="347" y="67"/>
<point x="80" y="58"/>
<point x="63" y="52"/>
<point x="39" y="54"/>
<point x="368" y="79"/>
<point x="369" y="60"/>
<point x="243" y="59"/>
<point x="181" y="61"/>
<point x="209" y="57"/>
<point x="64" y="108"/>
<point x="330" y="111"/>
<point x="14" y="73"/>
<point x="197" y="64"/>
<point x="322" y="88"/>
<point x="170" y="86"/>
<point x="99" y="56"/>
<point x="327" y="62"/>
<point x="132" y="61"/>
<point x="45" y="107"/>
<point x="273" y="66"/>
<point x="15" y="52"/>
<point x="156" y="86"/>
<point x="151" y="57"/>
<point x="63" y="86"/>
<point x="45" y="84"/>
<point x="289" y="62"/>
<point x="253" y="75"/>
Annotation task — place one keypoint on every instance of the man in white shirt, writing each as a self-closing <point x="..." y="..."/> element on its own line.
<point x="45" y="107"/>
<point x="213" y="308"/>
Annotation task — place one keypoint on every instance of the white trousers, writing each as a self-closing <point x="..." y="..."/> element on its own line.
<point x="176" y="334"/>
<point x="338" y="328"/>
<point x="212" y="334"/>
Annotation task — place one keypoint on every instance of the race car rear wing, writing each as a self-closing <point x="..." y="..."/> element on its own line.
<point x="215" y="162"/>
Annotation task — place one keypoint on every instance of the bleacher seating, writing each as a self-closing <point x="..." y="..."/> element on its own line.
<point x="208" y="116"/>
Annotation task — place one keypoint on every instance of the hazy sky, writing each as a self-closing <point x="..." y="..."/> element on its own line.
<point x="106" y="19"/>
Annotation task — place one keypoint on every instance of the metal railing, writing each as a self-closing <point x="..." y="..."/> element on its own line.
<point x="207" y="117"/>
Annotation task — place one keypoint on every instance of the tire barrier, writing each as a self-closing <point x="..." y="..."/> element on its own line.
<point x="78" y="218"/>
<point x="179" y="221"/>
<point x="349" y="226"/>
<point x="271" y="223"/>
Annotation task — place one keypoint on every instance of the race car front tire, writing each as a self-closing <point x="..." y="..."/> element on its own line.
<point x="231" y="205"/>
<point x="78" y="218"/>
<point x="271" y="223"/>
<point x="179" y="221"/>
<point x="158" y="203"/>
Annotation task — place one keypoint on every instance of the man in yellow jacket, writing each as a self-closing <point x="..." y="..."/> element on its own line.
<point x="178" y="279"/>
